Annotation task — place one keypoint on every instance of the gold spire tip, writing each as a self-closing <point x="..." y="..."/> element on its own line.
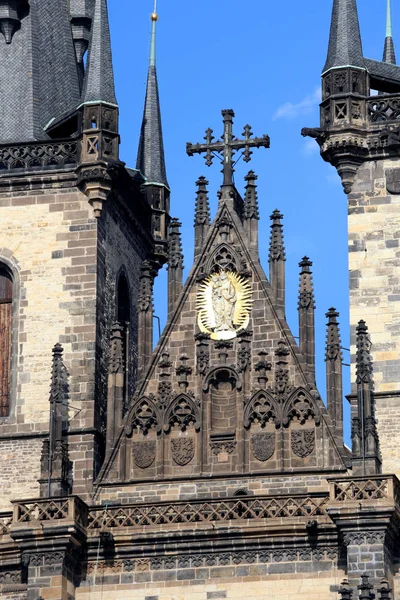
<point x="154" y="15"/>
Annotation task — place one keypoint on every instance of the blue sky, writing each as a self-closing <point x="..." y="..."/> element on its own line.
<point x="264" y="60"/>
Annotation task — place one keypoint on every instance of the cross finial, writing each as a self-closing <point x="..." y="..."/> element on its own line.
<point x="226" y="148"/>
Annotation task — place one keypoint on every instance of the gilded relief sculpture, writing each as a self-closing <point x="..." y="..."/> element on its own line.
<point x="223" y="302"/>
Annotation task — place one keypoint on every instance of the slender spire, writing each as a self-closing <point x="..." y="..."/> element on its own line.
<point x="98" y="85"/>
<point x="345" y="48"/>
<point x="175" y="264"/>
<point x="334" y="382"/>
<point x="54" y="458"/>
<point x="116" y="376"/>
<point x="365" y="441"/>
<point x="306" y="316"/>
<point x="277" y="259"/>
<point x="151" y="159"/>
<point x="389" y="55"/>
<point x="201" y="216"/>
<point x="251" y="203"/>
<point x="251" y="212"/>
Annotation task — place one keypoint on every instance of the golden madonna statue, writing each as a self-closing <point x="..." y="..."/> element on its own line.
<point x="223" y="304"/>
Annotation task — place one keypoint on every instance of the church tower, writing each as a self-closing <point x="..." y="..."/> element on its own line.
<point x="210" y="466"/>
<point x="77" y="233"/>
<point x="359" y="135"/>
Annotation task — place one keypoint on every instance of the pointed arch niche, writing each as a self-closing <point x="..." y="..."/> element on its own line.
<point x="9" y="309"/>
<point x="124" y="318"/>
<point x="222" y="433"/>
<point x="261" y="423"/>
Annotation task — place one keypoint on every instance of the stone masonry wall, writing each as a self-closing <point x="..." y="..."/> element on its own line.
<point x="119" y="250"/>
<point x="217" y="583"/>
<point x="48" y="236"/>
<point x="217" y="488"/>
<point x="374" y="263"/>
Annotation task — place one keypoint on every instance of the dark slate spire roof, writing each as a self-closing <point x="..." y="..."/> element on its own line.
<point x="345" y="48"/>
<point x="98" y="85"/>
<point x="42" y="47"/>
<point x="151" y="159"/>
<point x="389" y="55"/>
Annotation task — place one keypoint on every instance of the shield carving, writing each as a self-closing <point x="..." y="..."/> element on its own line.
<point x="182" y="450"/>
<point x="144" y="454"/>
<point x="263" y="445"/>
<point x="303" y="442"/>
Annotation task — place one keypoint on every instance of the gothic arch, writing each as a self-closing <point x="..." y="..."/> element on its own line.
<point x="145" y="416"/>
<point x="123" y="296"/>
<point x="223" y="257"/>
<point x="261" y="409"/>
<point x="300" y="406"/>
<point x="123" y="314"/>
<point x="228" y="372"/>
<point x="182" y="412"/>
<point x="11" y="268"/>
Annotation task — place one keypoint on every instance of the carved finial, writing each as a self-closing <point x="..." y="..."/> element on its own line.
<point x="384" y="590"/>
<point x="363" y="357"/>
<point x="165" y="362"/>
<point x="183" y="371"/>
<point x="251" y="202"/>
<point x="281" y="370"/>
<point x="261" y="367"/>
<point x="223" y="346"/>
<point x="277" y="248"/>
<point x="366" y="588"/>
<point x="145" y="299"/>
<point x="202" y="210"/>
<point x="175" y="254"/>
<point x="116" y="349"/>
<point x="306" y="291"/>
<point x="57" y="379"/>
<point x="345" y="590"/>
<point x="333" y="342"/>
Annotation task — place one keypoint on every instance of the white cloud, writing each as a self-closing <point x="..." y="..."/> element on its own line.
<point x="304" y="107"/>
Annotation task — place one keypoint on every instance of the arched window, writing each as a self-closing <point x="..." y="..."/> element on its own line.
<point x="124" y="319"/>
<point x="6" y="297"/>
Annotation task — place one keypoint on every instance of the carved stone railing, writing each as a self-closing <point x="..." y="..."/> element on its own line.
<point x="383" y="108"/>
<point x="356" y="489"/>
<point x="34" y="156"/>
<point x="5" y="522"/>
<point x="50" y="509"/>
<point x="201" y="511"/>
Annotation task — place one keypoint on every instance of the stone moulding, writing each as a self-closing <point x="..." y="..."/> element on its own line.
<point x="251" y="508"/>
<point x="377" y="487"/>
<point x="38" y="156"/>
<point x="215" y="559"/>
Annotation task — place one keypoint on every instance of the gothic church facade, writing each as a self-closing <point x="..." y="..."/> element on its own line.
<point x="210" y="467"/>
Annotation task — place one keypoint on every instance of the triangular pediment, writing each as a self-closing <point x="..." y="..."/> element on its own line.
<point x="240" y="367"/>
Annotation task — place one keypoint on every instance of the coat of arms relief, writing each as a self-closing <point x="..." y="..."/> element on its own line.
<point x="224" y="304"/>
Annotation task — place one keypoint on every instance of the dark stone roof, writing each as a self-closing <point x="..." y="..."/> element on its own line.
<point x="383" y="72"/>
<point x="42" y="46"/>
<point x="151" y="159"/>
<point x="99" y="78"/>
<point x="81" y="8"/>
<point x="389" y="55"/>
<point x="345" y="46"/>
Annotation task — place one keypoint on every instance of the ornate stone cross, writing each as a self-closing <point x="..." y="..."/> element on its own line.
<point x="227" y="146"/>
